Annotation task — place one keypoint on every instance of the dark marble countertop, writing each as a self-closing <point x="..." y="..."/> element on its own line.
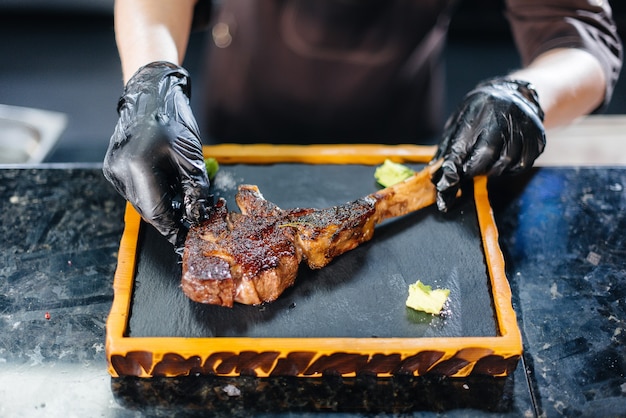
<point x="561" y="231"/>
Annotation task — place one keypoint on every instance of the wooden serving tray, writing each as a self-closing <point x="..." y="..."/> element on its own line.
<point x="348" y="318"/>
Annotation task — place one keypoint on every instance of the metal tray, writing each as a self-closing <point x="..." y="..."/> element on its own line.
<point x="348" y="318"/>
<point x="28" y="135"/>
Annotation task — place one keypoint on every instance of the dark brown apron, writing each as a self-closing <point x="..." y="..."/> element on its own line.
<point x="326" y="71"/>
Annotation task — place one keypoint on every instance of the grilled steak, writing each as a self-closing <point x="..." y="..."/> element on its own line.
<point x="253" y="256"/>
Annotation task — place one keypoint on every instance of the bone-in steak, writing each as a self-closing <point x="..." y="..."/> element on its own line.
<point x="253" y="256"/>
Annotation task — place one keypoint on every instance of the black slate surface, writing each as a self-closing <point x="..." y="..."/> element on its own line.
<point x="360" y="294"/>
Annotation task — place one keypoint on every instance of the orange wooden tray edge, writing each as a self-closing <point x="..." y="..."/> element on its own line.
<point x="312" y="357"/>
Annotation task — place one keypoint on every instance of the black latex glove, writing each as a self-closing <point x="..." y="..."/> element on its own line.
<point x="155" y="157"/>
<point x="497" y="129"/>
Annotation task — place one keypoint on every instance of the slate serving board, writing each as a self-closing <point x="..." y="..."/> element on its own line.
<point x="360" y="294"/>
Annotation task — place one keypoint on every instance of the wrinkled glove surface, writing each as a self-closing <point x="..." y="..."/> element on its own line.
<point x="155" y="156"/>
<point x="497" y="129"/>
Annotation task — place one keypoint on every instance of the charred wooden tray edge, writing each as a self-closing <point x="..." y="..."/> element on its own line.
<point x="315" y="357"/>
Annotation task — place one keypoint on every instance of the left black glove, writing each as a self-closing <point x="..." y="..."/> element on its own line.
<point x="497" y="129"/>
<point x="155" y="156"/>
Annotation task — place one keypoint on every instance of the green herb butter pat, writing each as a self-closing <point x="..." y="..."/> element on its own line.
<point x="423" y="298"/>
<point x="390" y="173"/>
<point x="211" y="167"/>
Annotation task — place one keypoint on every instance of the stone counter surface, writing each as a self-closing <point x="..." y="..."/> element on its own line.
<point x="561" y="231"/>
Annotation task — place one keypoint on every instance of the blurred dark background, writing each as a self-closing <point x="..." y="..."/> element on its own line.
<point x="60" y="55"/>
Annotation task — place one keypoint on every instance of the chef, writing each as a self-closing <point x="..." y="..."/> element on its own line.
<point x="321" y="71"/>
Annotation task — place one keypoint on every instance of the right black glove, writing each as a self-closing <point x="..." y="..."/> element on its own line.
<point x="155" y="156"/>
<point x="497" y="129"/>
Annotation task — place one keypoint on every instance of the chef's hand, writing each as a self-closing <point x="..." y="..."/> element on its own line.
<point x="497" y="129"/>
<point x="155" y="156"/>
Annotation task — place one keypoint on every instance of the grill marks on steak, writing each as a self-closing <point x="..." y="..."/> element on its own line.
<point x="253" y="256"/>
<point x="239" y="256"/>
